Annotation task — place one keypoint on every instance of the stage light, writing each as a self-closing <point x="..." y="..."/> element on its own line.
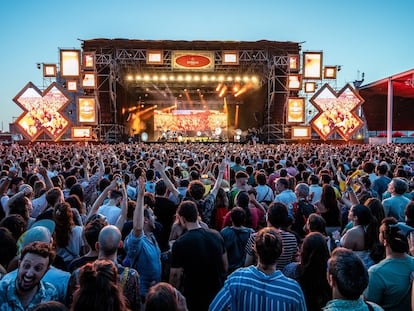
<point x="238" y="132"/>
<point x="129" y="77"/>
<point x="198" y="133"/>
<point x="223" y="91"/>
<point x="147" y="77"/>
<point x="144" y="136"/>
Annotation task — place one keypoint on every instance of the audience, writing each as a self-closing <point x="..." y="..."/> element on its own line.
<point x="215" y="178"/>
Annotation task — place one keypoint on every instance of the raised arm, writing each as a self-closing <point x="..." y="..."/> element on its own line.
<point x="138" y="218"/>
<point x="98" y="202"/>
<point x="124" y="209"/>
<point x="217" y="184"/>
<point x="161" y="170"/>
<point x="46" y="178"/>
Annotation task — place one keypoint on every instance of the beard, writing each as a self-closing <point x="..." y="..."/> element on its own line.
<point x="26" y="284"/>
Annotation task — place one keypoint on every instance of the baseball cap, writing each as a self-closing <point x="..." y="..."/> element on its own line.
<point x="36" y="234"/>
<point x="47" y="223"/>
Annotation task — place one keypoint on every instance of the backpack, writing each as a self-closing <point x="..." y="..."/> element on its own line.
<point x="301" y="211"/>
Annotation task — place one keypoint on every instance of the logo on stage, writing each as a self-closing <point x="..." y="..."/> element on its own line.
<point x="337" y="112"/>
<point x="42" y="111"/>
<point x="192" y="60"/>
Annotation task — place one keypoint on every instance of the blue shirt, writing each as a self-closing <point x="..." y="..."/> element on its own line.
<point x="351" y="305"/>
<point x="58" y="278"/>
<point x="250" y="289"/>
<point x="144" y="256"/>
<point x="10" y="301"/>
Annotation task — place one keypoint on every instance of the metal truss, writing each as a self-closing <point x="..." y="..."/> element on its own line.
<point x="112" y="65"/>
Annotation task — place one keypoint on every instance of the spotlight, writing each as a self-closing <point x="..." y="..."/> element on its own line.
<point x="38" y="65"/>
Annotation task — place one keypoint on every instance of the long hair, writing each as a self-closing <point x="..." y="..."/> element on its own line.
<point x="63" y="217"/>
<point x="369" y="223"/>
<point x="328" y="197"/>
<point x="98" y="288"/>
<point x="78" y="190"/>
<point x="312" y="271"/>
<point x="76" y="203"/>
<point x="242" y="200"/>
<point x="376" y="207"/>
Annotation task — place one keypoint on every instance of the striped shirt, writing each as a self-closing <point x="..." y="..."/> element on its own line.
<point x="290" y="248"/>
<point x="250" y="289"/>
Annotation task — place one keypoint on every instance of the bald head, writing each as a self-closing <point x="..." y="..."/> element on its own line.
<point x="109" y="240"/>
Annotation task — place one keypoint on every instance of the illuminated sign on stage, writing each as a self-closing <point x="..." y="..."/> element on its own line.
<point x="296" y="110"/>
<point x="69" y="63"/>
<point x="87" y="110"/>
<point x="312" y="65"/>
<point x="337" y="112"/>
<point x="42" y="111"/>
<point x="192" y="60"/>
<point x="81" y="132"/>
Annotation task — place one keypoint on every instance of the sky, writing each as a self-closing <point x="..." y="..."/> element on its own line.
<point x="373" y="37"/>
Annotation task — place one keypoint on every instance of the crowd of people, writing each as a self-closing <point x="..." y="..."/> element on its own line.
<point x="219" y="226"/>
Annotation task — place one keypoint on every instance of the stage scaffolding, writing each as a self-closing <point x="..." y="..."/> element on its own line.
<point x="118" y="57"/>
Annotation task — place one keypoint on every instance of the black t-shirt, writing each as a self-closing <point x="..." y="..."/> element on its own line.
<point x="165" y="211"/>
<point x="199" y="252"/>
<point x="79" y="262"/>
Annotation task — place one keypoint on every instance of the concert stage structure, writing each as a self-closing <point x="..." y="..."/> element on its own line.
<point x="115" y="89"/>
<point x="192" y="90"/>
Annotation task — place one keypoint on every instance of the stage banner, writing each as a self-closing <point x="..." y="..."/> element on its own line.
<point x="192" y="60"/>
<point x="337" y="112"/>
<point x="42" y="111"/>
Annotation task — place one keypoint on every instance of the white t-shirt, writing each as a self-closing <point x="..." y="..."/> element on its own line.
<point x="73" y="249"/>
<point x="111" y="213"/>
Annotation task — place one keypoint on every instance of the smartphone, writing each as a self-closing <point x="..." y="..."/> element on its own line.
<point x="119" y="181"/>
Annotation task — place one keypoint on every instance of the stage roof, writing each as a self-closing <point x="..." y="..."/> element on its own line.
<point x="375" y="95"/>
<point x="285" y="46"/>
